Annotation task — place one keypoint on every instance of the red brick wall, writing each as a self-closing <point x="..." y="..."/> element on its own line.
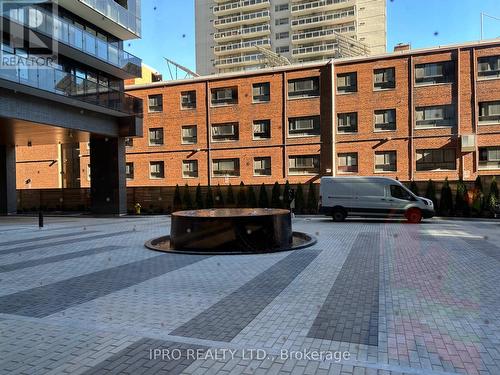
<point x="37" y="167"/>
<point x="465" y="93"/>
<point x="278" y="147"/>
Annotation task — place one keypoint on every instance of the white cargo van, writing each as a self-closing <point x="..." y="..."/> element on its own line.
<point x="371" y="196"/>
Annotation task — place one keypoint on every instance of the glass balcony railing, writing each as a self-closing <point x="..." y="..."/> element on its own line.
<point x="126" y="18"/>
<point x="28" y="71"/>
<point x="66" y="33"/>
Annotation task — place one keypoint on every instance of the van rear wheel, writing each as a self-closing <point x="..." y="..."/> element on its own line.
<point x="338" y="215"/>
<point x="414" y="215"/>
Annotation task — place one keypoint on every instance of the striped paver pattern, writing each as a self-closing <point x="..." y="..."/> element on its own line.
<point x="83" y="295"/>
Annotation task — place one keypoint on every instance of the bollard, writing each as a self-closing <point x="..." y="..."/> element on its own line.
<point x="40" y="219"/>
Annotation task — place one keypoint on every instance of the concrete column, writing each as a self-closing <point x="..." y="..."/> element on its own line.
<point x="107" y="176"/>
<point x="8" y="198"/>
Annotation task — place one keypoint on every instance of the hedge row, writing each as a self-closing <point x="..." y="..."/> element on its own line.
<point x="466" y="202"/>
<point x="246" y="197"/>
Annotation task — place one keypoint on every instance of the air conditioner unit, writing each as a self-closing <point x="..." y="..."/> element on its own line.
<point x="468" y="143"/>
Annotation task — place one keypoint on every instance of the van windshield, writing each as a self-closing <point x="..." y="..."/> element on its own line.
<point x="400" y="192"/>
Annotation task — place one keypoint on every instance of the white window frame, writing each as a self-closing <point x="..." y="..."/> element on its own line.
<point x="158" y="108"/>
<point x="226" y="172"/>
<point x="390" y="162"/>
<point x="346" y="166"/>
<point x="389" y="116"/>
<point x="162" y="139"/>
<point x="489" y="163"/>
<point x="190" y="169"/>
<point x="220" y="132"/>
<point x="194" y="137"/>
<point x="438" y="153"/>
<point x="258" y="163"/>
<point x="160" y="164"/>
<point x="486" y="115"/>
<point x="262" y="123"/>
<point x="188" y="104"/>
<point x="311" y="168"/>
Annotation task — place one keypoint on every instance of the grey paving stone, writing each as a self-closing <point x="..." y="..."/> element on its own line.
<point x="57" y="258"/>
<point x="49" y="299"/>
<point x="487" y="248"/>
<point x="225" y="320"/>
<point x="137" y="359"/>
<point x="45" y="238"/>
<point x="65" y="242"/>
<point x="350" y="311"/>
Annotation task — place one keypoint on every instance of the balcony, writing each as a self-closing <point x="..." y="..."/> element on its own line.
<point x="319" y="6"/>
<point x="241" y="33"/>
<point x="324" y="19"/>
<point x="80" y="40"/>
<point x="322" y="35"/>
<point x="241" y="47"/>
<point x="68" y="87"/>
<point x="124" y="23"/>
<point x="239" y="61"/>
<point x="244" y="19"/>
<point x="314" y="50"/>
<point x="241" y="6"/>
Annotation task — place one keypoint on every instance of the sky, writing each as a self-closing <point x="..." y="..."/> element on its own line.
<point x="168" y="27"/>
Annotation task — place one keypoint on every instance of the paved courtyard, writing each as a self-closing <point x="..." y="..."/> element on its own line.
<point x="83" y="295"/>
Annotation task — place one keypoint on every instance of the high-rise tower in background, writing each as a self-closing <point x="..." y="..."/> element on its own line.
<point x="229" y="32"/>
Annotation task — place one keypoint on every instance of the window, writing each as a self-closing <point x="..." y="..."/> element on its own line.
<point x="281" y="7"/>
<point x="189" y="135"/>
<point x="489" y="157"/>
<point x="488" y="67"/>
<point x="303" y="87"/>
<point x="225" y="132"/>
<point x="282" y="21"/>
<point x="129" y="171"/>
<point x="190" y="168"/>
<point x="304" y="126"/>
<point x="385" y="161"/>
<point x="224" y="96"/>
<point x="303" y="165"/>
<point x="437" y="159"/>
<point x="429" y="74"/>
<point x="348" y="162"/>
<point x="261" y="92"/>
<point x="399" y="192"/>
<point x="385" y="120"/>
<point x="428" y="117"/>
<point x="156" y="169"/>
<point x="347" y="83"/>
<point x="262" y="166"/>
<point x="226" y="167"/>
<point x="155" y="136"/>
<point x="283" y="35"/>
<point x="347" y="122"/>
<point x="155" y="103"/>
<point x="489" y="112"/>
<point x="282" y="49"/>
<point x="188" y="100"/>
<point x="262" y="129"/>
<point x="129" y="142"/>
<point x="384" y="79"/>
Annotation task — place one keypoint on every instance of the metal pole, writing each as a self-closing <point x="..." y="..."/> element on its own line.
<point x="482" y="21"/>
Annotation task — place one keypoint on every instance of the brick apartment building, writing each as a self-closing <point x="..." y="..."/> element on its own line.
<point x="412" y="114"/>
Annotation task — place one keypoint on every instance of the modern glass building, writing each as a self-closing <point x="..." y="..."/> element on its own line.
<point x="62" y="72"/>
